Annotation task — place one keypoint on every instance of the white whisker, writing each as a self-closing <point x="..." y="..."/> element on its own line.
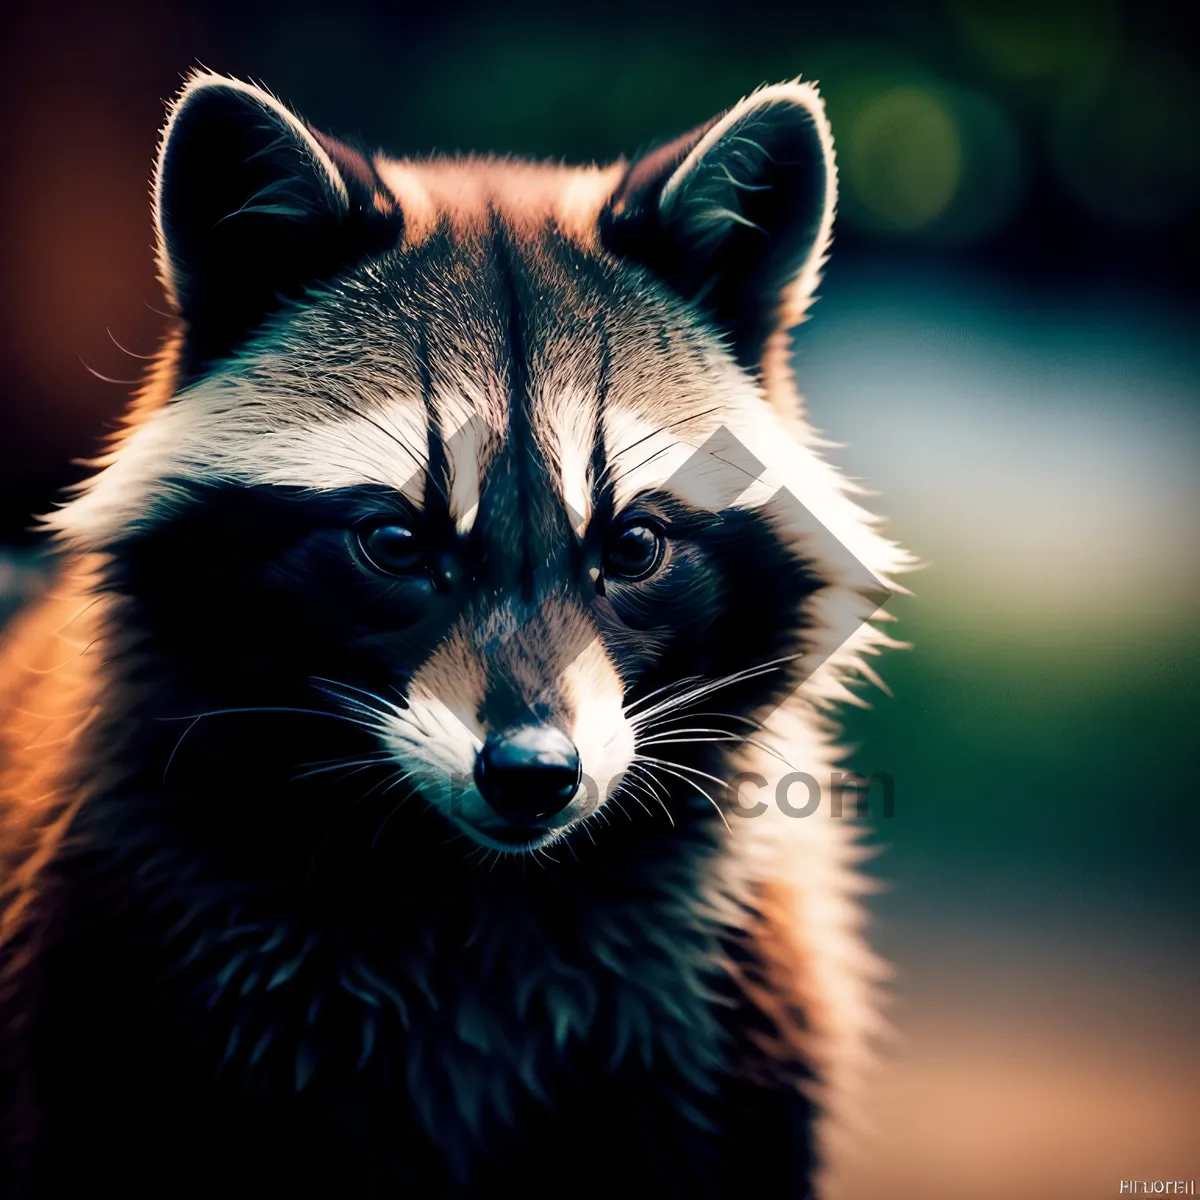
<point x="707" y="688"/>
<point x="358" y="764"/>
<point x="667" y="738"/>
<point x="663" y="765"/>
<point x="692" y="714"/>
<point x="678" y="683"/>
<point x="653" y="792"/>
<point x="195" y="718"/>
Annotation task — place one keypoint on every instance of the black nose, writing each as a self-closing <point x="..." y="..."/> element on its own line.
<point x="528" y="773"/>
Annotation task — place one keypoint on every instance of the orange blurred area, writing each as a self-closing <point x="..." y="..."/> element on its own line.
<point x="1047" y="1080"/>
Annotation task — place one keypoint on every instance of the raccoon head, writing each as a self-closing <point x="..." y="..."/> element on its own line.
<point x="482" y="457"/>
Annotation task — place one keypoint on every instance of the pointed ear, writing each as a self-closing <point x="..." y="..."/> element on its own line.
<point x="736" y="216"/>
<point x="251" y="207"/>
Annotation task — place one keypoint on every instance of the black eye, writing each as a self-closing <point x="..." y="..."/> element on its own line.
<point x="392" y="549"/>
<point x="634" y="551"/>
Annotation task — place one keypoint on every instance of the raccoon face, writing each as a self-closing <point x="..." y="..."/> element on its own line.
<point x="480" y="455"/>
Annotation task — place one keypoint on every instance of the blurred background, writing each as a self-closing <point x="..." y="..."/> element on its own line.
<point x="1005" y="344"/>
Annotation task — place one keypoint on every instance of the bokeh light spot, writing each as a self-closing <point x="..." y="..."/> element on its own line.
<point x="903" y="157"/>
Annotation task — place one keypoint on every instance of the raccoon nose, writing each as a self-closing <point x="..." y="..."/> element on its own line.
<point x="528" y="773"/>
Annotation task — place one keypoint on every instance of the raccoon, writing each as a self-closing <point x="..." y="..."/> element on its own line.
<point x="369" y="813"/>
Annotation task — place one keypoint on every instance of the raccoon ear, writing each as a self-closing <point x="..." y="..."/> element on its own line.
<point x="251" y="207"/>
<point x="736" y="216"/>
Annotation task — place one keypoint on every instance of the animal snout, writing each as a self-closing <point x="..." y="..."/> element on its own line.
<point x="528" y="774"/>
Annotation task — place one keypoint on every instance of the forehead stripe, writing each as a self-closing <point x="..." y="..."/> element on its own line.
<point x="601" y="484"/>
<point x="520" y="431"/>
<point x="437" y="472"/>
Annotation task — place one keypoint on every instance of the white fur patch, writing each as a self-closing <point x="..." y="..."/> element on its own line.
<point x="227" y="430"/>
<point x="600" y="730"/>
<point x="469" y="443"/>
<point x="436" y="738"/>
<point x="574" y="422"/>
<point x="674" y="459"/>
